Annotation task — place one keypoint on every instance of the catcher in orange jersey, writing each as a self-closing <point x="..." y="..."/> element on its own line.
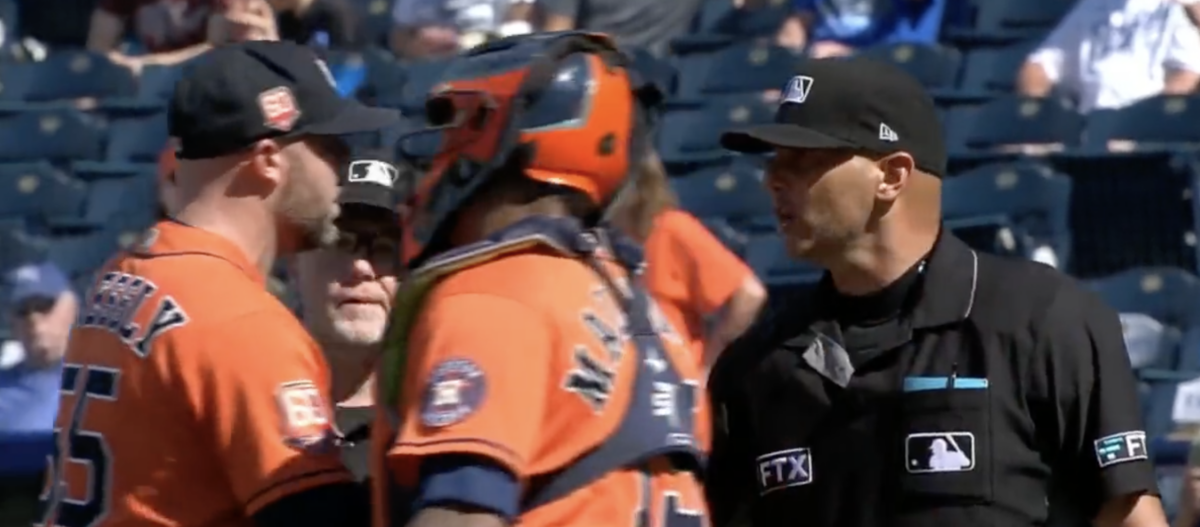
<point x="523" y="380"/>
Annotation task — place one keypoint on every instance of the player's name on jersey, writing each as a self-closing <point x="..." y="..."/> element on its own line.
<point x="115" y="302"/>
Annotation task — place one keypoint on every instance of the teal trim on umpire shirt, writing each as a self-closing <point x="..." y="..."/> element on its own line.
<point x="921" y="384"/>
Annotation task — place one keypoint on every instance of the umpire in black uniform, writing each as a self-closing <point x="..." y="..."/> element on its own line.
<point x="920" y="383"/>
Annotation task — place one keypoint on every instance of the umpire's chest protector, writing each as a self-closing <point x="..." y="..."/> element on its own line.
<point x="914" y="424"/>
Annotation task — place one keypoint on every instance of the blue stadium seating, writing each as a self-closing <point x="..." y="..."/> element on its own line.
<point x="127" y="201"/>
<point x="38" y="190"/>
<point x="1031" y="195"/>
<point x="992" y="17"/>
<point x="157" y="82"/>
<point x="692" y="133"/>
<point x="766" y="255"/>
<point x="1168" y="120"/>
<point x="422" y="78"/>
<point x="732" y="192"/>
<point x="993" y="69"/>
<point x="936" y="66"/>
<point x="1169" y="295"/>
<point x="1162" y="384"/>
<point x="739" y="68"/>
<point x="138" y="138"/>
<point x="57" y="134"/>
<point x="65" y="75"/>
<point x="1014" y="120"/>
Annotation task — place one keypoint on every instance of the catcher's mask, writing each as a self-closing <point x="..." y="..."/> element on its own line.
<point x="565" y="108"/>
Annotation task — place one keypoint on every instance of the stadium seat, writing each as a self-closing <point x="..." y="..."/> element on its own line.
<point x="383" y="83"/>
<point x="690" y="134"/>
<point x="129" y="202"/>
<point x="740" y="68"/>
<point x="1015" y="120"/>
<point x="65" y="75"/>
<point x="38" y="190"/>
<point x="81" y="255"/>
<point x="1161" y="405"/>
<point x="719" y="23"/>
<point x="993" y="69"/>
<point x="158" y="82"/>
<point x="60" y="133"/>
<point x="936" y="66"/>
<point x="654" y="70"/>
<point x="421" y="78"/>
<point x="732" y="192"/>
<point x="1010" y="15"/>
<point x="1031" y="195"/>
<point x="375" y="21"/>
<point x="1171" y="296"/>
<point x="138" y="138"/>
<point x="766" y="255"/>
<point x="1166" y="120"/>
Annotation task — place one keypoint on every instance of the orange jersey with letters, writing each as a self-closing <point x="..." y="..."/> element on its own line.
<point x="525" y="360"/>
<point x="690" y="273"/>
<point x="191" y="396"/>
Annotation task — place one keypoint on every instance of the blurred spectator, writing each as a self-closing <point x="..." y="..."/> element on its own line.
<point x="707" y="293"/>
<point x="42" y="307"/>
<point x="648" y="24"/>
<point x="1112" y="53"/>
<point x="833" y="28"/>
<point x="430" y="29"/>
<point x="174" y="31"/>
<point x="318" y="23"/>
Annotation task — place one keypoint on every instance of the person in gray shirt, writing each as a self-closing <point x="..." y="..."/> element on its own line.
<point x="649" y="24"/>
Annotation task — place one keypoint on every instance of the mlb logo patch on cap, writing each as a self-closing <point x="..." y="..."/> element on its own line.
<point x="373" y="171"/>
<point x="797" y="89"/>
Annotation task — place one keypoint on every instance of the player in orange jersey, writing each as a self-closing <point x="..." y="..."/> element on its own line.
<point x="191" y="396"/>
<point x="691" y="273"/>
<point x="523" y="381"/>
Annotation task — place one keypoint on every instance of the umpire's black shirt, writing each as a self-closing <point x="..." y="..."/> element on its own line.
<point x="1000" y="396"/>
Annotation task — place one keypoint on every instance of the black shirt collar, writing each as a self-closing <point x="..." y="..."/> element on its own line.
<point x="943" y="292"/>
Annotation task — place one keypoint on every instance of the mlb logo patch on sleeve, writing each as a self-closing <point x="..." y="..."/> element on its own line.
<point x="929" y="452"/>
<point x="1120" y="448"/>
<point x="783" y="469"/>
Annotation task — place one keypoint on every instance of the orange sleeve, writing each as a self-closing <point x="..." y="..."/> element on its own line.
<point x="713" y="273"/>
<point x="479" y="374"/>
<point x="261" y="393"/>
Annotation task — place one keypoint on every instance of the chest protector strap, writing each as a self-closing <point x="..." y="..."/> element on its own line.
<point x="569" y="238"/>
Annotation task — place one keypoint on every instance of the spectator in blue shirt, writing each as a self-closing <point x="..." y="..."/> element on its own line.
<point x="833" y="28"/>
<point x="42" y="308"/>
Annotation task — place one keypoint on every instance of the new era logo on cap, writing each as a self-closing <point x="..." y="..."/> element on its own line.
<point x="373" y="171"/>
<point x="887" y="134"/>
<point x="797" y="89"/>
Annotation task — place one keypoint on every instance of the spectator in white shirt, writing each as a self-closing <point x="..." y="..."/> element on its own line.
<point x="1113" y="53"/>
<point x="430" y="29"/>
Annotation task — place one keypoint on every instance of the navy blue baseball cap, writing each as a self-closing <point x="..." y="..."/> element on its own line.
<point x="238" y="94"/>
<point x="43" y="280"/>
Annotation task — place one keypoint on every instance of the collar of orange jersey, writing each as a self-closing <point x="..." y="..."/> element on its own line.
<point x="173" y="237"/>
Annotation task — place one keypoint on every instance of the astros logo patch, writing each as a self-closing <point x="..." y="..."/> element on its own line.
<point x="455" y="390"/>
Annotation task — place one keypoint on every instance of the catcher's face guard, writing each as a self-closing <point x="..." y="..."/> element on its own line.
<point x="563" y="105"/>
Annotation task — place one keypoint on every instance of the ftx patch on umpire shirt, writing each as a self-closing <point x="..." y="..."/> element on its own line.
<point x="1120" y="448"/>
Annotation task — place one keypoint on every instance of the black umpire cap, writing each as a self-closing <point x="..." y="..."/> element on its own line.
<point x="856" y="103"/>
<point x="237" y="94"/>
